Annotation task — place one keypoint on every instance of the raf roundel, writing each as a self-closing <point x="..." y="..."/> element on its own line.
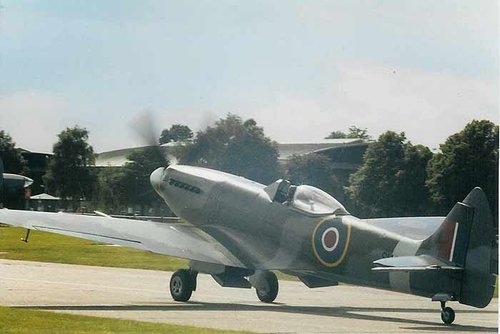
<point x="330" y="241"/>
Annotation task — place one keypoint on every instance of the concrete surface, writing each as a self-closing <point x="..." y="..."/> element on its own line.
<point x="143" y="295"/>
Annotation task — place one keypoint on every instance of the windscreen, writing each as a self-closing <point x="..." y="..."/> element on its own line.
<point x="315" y="201"/>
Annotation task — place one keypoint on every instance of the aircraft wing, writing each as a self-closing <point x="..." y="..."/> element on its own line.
<point x="174" y="239"/>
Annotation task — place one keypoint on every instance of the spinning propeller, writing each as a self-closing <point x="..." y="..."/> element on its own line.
<point x="146" y="127"/>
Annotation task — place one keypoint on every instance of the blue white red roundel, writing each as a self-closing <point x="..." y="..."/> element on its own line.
<point x="330" y="241"/>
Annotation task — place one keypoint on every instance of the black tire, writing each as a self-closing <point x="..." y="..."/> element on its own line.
<point x="269" y="294"/>
<point x="182" y="285"/>
<point x="447" y="315"/>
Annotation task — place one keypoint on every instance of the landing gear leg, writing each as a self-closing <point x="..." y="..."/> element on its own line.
<point x="447" y="314"/>
<point x="182" y="284"/>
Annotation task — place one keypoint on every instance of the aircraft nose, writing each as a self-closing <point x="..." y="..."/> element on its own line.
<point x="156" y="178"/>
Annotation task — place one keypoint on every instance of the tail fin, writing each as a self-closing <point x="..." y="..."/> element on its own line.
<point x="467" y="239"/>
<point x="453" y="236"/>
<point x="479" y="282"/>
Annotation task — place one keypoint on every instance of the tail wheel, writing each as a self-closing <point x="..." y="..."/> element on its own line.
<point x="447" y="315"/>
<point x="182" y="284"/>
<point x="269" y="291"/>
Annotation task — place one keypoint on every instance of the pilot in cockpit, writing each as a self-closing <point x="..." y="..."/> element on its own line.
<point x="281" y="195"/>
<point x="307" y="199"/>
<point x="291" y="193"/>
<point x="285" y="192"/>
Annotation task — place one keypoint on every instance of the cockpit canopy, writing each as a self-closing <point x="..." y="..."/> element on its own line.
<point x="315" y="201"/>
<point x="308" y="199"/>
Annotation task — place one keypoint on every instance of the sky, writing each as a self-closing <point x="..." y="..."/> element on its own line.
<point x="301" y="69"/>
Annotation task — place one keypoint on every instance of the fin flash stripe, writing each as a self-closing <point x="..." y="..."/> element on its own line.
<point x="447" y="240"/>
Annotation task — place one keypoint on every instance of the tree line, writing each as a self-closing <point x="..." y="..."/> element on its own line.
<point x="395" y="177"/>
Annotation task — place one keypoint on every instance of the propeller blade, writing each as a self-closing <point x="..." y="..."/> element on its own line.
<point x="145" y="126"/>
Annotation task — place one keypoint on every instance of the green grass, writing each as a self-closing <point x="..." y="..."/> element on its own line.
<point x="25" y="321"/>
<point x="285" y="277"/>
<point x="48" y="247"/>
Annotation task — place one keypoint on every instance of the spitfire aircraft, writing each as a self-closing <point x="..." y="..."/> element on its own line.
<point x="240" y="231"/>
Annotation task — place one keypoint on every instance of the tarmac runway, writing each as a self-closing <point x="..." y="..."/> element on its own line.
<point x="144" y="295"/>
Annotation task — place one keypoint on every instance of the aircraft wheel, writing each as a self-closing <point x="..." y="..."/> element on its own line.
<point x="182" y="284"/>
<point x="447" y="315"/>
<point x="269" y="293"/>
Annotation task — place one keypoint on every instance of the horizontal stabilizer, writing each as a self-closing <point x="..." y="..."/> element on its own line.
<point x="413" y="263"/>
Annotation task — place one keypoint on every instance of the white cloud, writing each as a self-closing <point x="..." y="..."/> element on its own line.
<point x="33" y="119"/>
<point x="427" y="106"/>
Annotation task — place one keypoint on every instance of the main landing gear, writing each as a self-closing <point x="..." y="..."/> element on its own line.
<point x="183" y="283"/>
<point x="447" y="314"/>
<point x="267" y="290"/>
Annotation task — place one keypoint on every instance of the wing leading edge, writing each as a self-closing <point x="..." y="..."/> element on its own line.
<point x="173" y="239"/>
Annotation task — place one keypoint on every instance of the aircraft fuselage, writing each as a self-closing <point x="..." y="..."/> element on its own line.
<point x="264" y="234"/>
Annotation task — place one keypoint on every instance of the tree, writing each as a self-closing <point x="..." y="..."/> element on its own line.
<point x="12" y="159"/>
<point x="354" y="132"/>
<point x="177" y="132"/>
<point x="236" y="147"/>
<point x="391" y="180"/>
<point x="411" y="181"/>
<point x="112" y="194"/>
<point x="138" y="190"/>
<point x="120" y="188"/>
<point x="467" y="159"/>
<point x="336" y="135"/>
<point x="315" y="170"/>
<point x="69" y="173"/>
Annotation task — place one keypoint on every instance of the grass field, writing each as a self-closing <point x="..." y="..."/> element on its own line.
<point x="48" y="247"/>
<point x="25" y="321"/>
